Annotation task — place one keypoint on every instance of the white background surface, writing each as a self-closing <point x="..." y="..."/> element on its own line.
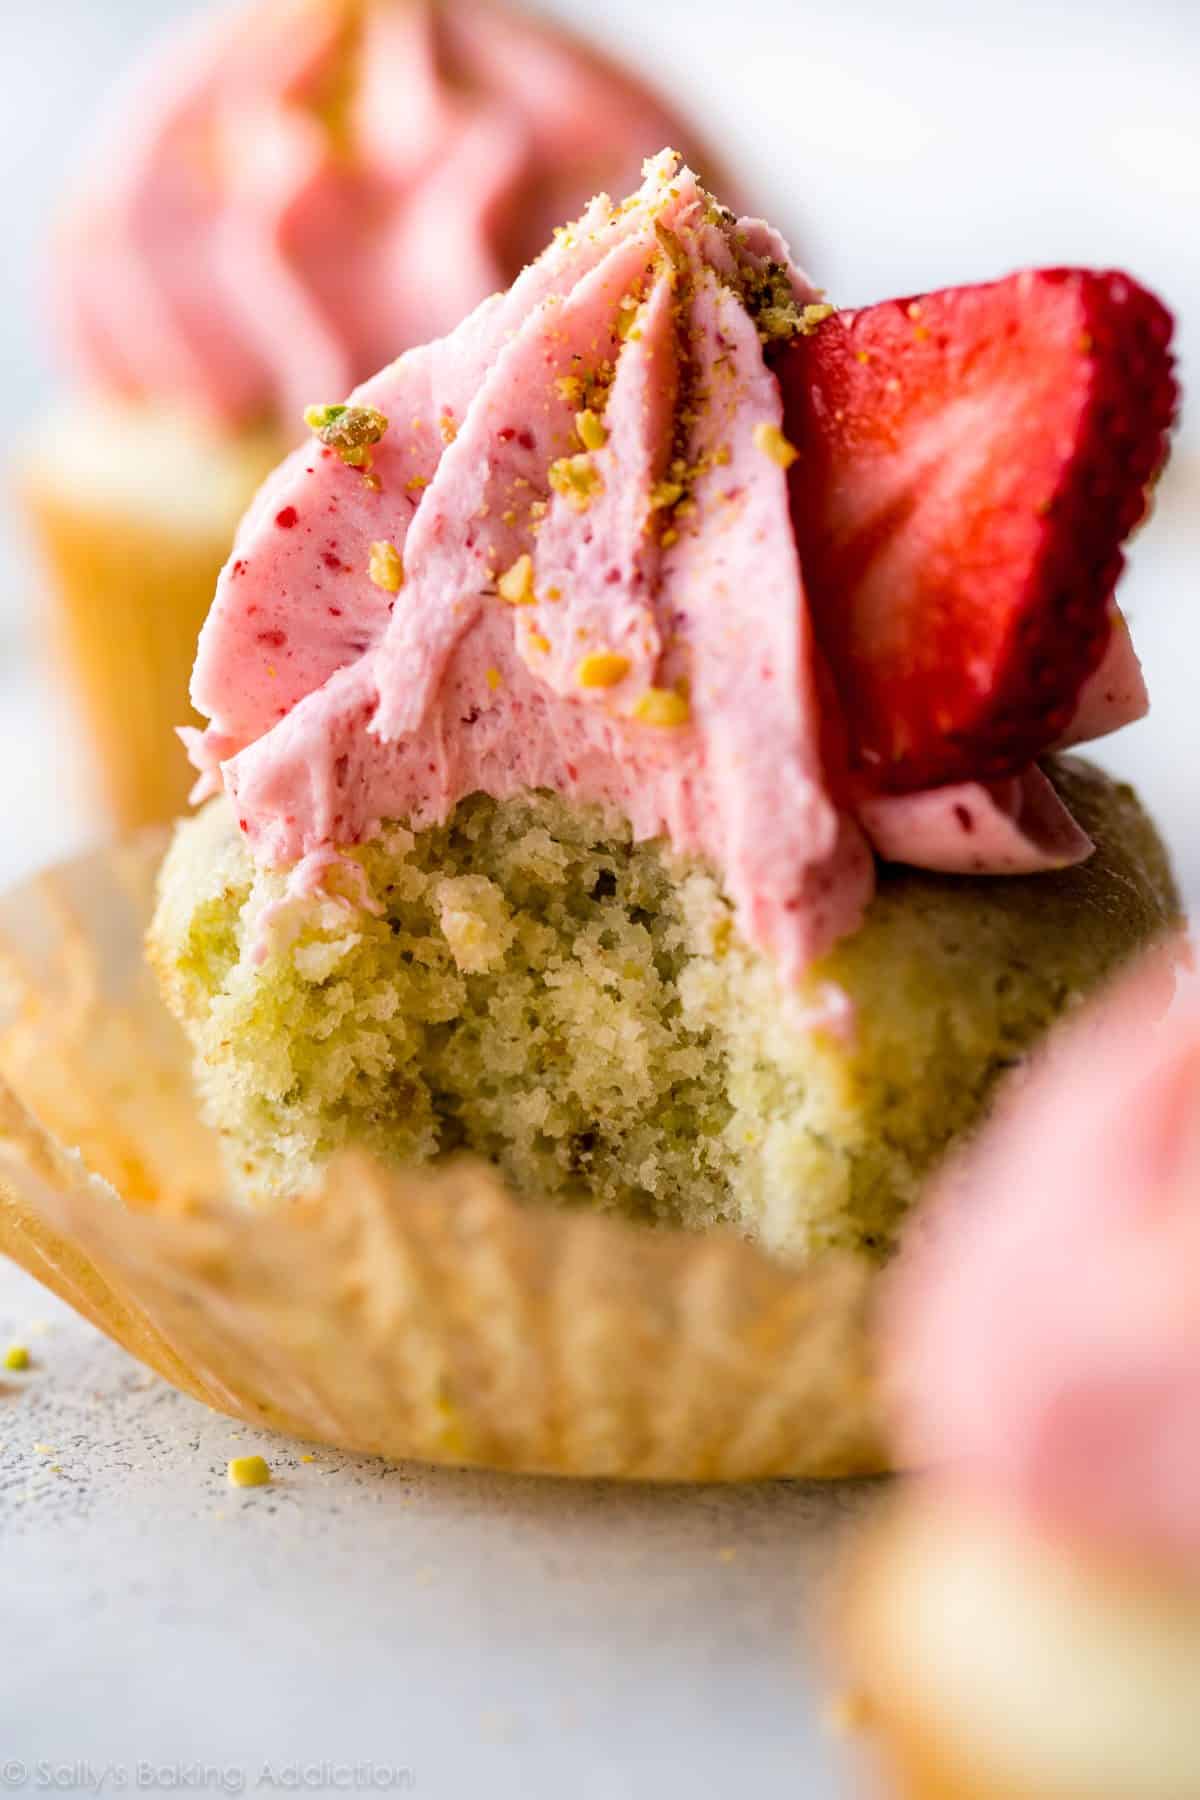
<point x="502" y="1638"/>
<point x="515" y="1638"/>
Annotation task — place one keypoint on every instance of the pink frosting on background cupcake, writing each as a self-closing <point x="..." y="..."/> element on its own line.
<point x="288" y="194"/>
<point x="1045" y="1334"/>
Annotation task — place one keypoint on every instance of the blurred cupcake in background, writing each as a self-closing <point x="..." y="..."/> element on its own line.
<point x="283" y="197"/>
<point x="1026" y="1622"/>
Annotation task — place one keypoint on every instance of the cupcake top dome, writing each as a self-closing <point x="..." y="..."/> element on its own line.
<point x="287" y="194"/>
<point x="659" y="530"/>
<point x="1045" y="1335"/>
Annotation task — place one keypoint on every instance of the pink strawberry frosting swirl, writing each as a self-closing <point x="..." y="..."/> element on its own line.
<point x="1045" y="1338"/>
<point x="601" y="446"/>
<point x="288" y="194"/>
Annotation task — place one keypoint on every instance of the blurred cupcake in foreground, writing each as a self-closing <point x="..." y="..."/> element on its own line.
<point x="285" y="196"/>
<point x="1027" y="1621"/>
<point x="625" y="717"/>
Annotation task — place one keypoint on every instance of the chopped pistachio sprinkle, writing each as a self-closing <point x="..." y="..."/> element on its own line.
<point x="665" y="494"/>
<point x="386" y="567"/>
<point x="662" y="706"/>
<point x="249" y="1471"/>
<point x="351" y="431"/>
<point x="768" y="294"/>
<point x="815" y="314"/>
<point x="592" y="434"/>
<point x="602" y="669"/>
<point x="577" y="479"/>
<point x="16" y="1358"/>
<point x="516" y="584"/>
<point x="771" y="441"/>
<point x="627" y="314"/>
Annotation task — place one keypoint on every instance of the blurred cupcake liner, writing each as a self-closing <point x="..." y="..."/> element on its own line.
<point x="422" y="1314"/>
<point x="127" y="592"/>
<point x="130" y="606"/>
<point x="1079" y="1687"/>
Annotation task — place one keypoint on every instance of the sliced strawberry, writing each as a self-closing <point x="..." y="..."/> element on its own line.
<point x="970" y="463"/>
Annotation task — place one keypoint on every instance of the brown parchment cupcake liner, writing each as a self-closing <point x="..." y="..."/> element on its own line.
<point x="423" y="1314"/>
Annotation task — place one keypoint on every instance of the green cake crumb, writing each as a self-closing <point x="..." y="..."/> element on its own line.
<point x="581" y="1011"/>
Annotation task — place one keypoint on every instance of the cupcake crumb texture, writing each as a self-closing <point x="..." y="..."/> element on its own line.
<point x="580" y="1011"/>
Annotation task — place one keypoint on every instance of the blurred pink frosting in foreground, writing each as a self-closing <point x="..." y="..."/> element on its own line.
<point x="336" y="704"/>
<point x="289" y="194"/>
<point x="1045" y="1334"/>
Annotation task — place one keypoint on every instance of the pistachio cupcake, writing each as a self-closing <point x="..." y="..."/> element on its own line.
<point x="629" y="731"/>
<point x="285" y="194"/>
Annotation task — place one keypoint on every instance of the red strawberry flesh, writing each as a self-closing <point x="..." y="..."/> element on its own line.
<point x="970" y="464"/>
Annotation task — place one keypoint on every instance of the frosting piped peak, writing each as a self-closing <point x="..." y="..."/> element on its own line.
<point x="601" y="592"/>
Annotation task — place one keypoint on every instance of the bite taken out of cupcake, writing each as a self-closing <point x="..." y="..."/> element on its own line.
<point x="1026" y="1621"/>
<point x="634" y="727"/>
<point x="284" y="195"/>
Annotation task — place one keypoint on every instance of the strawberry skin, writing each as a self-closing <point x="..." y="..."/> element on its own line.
<point x="970" y="463"/>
